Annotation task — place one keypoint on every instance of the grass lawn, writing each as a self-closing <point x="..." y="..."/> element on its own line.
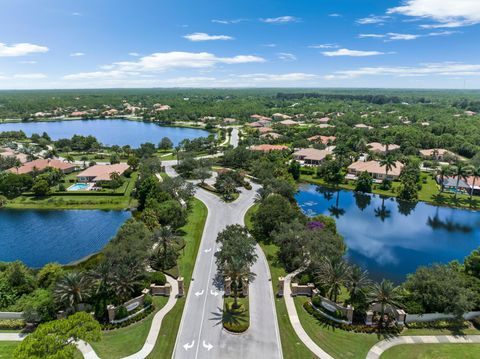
<point x="193" y="235"/>
<point x="78" y="201"/>
<point x="7" y="348"/>
<point x="236" y="320"/>
<point x="433" y="351"/>
<point x="292" y="346"/>
<point x="125" y="341"/>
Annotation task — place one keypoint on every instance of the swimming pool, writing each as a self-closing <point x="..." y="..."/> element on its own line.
<point x="79" y="187"/>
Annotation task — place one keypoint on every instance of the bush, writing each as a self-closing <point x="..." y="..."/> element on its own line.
<point x="121" y="313"/>
<point x="148" y="300"/>
<point x="12" y="324"/>
<point x="476" y="322"/>
<point x="126" y="323"/>
<point x="247" y="186"/>
<point x="440" y="324"/>
<point x="157" y="278"/>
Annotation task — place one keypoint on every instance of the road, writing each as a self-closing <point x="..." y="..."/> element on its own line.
<point x="201" y="333"/>
<point x="234" y="138"/>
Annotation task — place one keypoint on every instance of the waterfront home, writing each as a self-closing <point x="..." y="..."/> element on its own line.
<point x="41" y="165"/>
<point x="79" y="114"/>
<point x="465" y="185"/>
<point x="377" y="147"/>
<point x="101" y="172"/>
<point x="111" y="112"/>
<point x="323" y="139"/>
<point x="435" y="154"/>
<point x="8" y="152"/>
<point x="376" y="171"/>
<point x="268" y="148"/>
<point x="311" y="156"/>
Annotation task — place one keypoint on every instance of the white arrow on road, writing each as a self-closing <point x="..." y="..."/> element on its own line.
<point x="207" y="346"/>
<point x="199" y="293"/>
<point x="207" y="250"/>
<point x="189" y="346"/>
<point x="213" y="292"/>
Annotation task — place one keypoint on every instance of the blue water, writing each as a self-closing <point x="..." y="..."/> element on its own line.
<point x="108" y="132"/>
<point x="78" y="187"/>
<point x="393" y="242"/>
<point x="37" y="237"/>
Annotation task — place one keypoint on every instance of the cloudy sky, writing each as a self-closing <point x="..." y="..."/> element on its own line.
<point x="221" y="43"/>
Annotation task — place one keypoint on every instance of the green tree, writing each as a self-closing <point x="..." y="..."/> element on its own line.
<point x="385" y="293"/>
<point x="236" y="256"/>
<point x="72" y="289"/>
<point x="41" y="188"/>
<point x="57" y="339"/>
<point x="332" y="274"/>
<point x="357" y="281"/>
<point x="165" y="254"/>
<point x="443" y="172"/>
<point x="133" y="162"/>
<point x="165" y="144"/>
<point x="389" y="163"/>
<point x="49" y="275"/>
<point x="472" y="263"/>
<point x="364" y="183"/>
<point x="474" y="172"/>
<point x="294" y="170"/>
<point x="460" y="171"/>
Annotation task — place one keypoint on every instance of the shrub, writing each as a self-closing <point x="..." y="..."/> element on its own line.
<point x="126" y="323"/>
<point x="121" y="313"/>
<point x="148" y="300"/>
<point x="157" y="278"/>
<point x="440" y="324"/>
<point x="12" y="324"/>
<point x="247" y="185"/>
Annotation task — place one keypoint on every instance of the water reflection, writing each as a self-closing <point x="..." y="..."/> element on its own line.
<point x="392" y="238"/>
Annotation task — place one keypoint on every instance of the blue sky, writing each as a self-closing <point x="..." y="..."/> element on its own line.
<point x="302" y="43"/>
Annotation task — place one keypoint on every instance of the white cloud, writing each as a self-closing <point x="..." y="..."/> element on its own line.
<point x="227" y="22"/>
<point x="34" y="76"/>
<point x="324" y="46"/>
<point x="396" y="36"/>
<point x="285" y="56"/>
<point x="270" y="45"/>
<point x="353" y="53"/>
<point x="77" y="54"/>
<point x="443" y="33"/>
<point x="77" y="14"/>
<point x="20" y="49"/>
<point x="372" y="36"/>
<point x="163" y="61"/>
<point x="433" y="69"/>
<point x="134" y="54"/>
<point x="201" y="36"/>
<point x="392" y="36"/>
<point x="288" y="77"/>
<point x="446" y="13"/>
<point x="335" y="15"/>
<point x="373" y="19"/>
<point x="30" y="62"/>
<point x="280" y="20"/>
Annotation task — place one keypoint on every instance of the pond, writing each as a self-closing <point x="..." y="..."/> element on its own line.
<point x="37" y="237"/>
<point x="392" y="238"/>
<point x="109" y="131"/>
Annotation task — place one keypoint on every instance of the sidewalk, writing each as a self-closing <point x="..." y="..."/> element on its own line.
<point x="377" y="350"/>
<point x="297" y="326"/>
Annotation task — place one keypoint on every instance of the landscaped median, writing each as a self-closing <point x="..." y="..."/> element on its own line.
<point x="236" y="319"/>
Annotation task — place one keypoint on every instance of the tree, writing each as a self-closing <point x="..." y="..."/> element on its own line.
<point x="332" y="274"/>
<point x="294" y="170"/>
<point x="41" y="188"/>
<point x="385" y="293"/>
<point x="114" y="158"/>
<point x="236" y="256"/>
<point x="474" y="172"/>
<point x="165" y="255"/>
<point x="331" y="171"/>
<point x="472" y="263"/>
<point x="460" y="171"/>
<point x="84" y="159"/>
<point x="389" y="163"/>
<point x="165" y="144"/>
<point x="364" y="183"/>
<point x="38" y="306"/>
<point x="72" y="289"/>
<point x="357" y="281"/>
<point x="57" y="339"/>
<point x="202" y="173"/>
<point x="443" y="172"/>
<point x="69" y="158"/>
<point x="49" y="275"/>
<point x="133" y="162"/>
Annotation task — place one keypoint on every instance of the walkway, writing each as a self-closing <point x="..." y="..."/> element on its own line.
<point x="297" y="326"/>
<point x="89" y="353"/>
<point x="377" y="350"/>
<point x="12" y="337"/>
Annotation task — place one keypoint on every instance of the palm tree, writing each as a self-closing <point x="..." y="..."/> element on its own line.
<point x="236" y="269"/>
<point x="385" y="293"/>
<point x="475" y="173"/>
<point x="72" y="289"/>
<point x="333" y="274"/>
<point x="389" y="163"/>
<point x="443" y="172"/>
<point x="84" y="159"/>
<point x="460" y="171"/>
<point x="69" y="158"/>
<point x="102" y="278"/>
<point x="357" y="281"/>
<point x="382" y="212"/>
<point x="164" y="237"/>
<point x="177" y="151"/>
<point x="341" y="151"/>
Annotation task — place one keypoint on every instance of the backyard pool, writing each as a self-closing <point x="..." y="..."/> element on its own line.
<point x="79" y="187"/>
<point x="391" y="238"/>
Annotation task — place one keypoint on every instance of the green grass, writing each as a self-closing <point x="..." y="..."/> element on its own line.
<point x="433" y="351"/>
<point x="292" y="346"/>
<point x="7" y="348"/>
<point x="236" y="320"/>
<point x="125" y="341"/>
<point x="193" y="235"/>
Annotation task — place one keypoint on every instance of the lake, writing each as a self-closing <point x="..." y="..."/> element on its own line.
<point x="37" y="237"/>
<point x="109" y="131"/>
<point x="391" y="238"/>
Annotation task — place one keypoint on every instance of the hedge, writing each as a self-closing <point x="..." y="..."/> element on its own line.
<point x="11" y="324"/>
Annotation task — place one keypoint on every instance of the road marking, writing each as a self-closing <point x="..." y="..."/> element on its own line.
<point x="199" y="293"/>
<point x="212" y="292"/>
<point x="189" y="346"/>
<point x="207" y="346"/>
<point x="207" y="250"/>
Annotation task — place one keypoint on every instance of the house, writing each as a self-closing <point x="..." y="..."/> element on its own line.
<point x="281" y="116"/>
<point x="159" y="107"/>
<point x="311" y="156"/>
<point x="79" y="114"/>
<point x="268" y="148"/>
<point x="8" y="152"/>
<point x="255" y="125"/>
<point x="288" y="123"/>
<point x="41" y="165"/>
<point x="325" y="125"/>
<point x="323" y="139"/>
<point x="323" y="120"/>
<point x="363" y="126"/>
<point x="271" y="135"/>
<point x="260" y="117"/>
<point x="111" y="112"/>
<point x="464" y="185"/>
<point x="377" y="147"/>
<point x="263" y="130"/>
<point x="229" y="120"/>
<point x="374" y="168"/>
<point x="437" y="154"/>
<point x="101" y="172"/>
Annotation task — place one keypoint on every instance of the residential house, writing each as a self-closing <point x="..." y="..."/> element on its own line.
<point x="288" y="123"/>
<point x="377" y="147"/>
<point x="260" y="117"/>
<point x="281" y="116"/>
<point x="8" y="152"/>
<point x="268" y="148"/>
<point x="323" y="120"/>
<point x="374" y="168"/>
<point x="323" y="139"/>
<point x="41" y="165"/>
<point x="437" y="154"/>
<point x="311" y="156"/>
<point x="98" y="173"/>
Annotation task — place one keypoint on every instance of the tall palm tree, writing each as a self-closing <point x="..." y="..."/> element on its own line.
<point x="475" y="173"/>
<point x="460" y="171"/>
<point x="102" y="278"/>
<point x="332" y="275"/>
<point x="443" y="172"/>
<point x="72" y="289"/>
<point x="385" y="293"/>
<point x="389" y="163"/>
<point x="236" y="269"/>
<point x="164" y="237"/>
<point x="341" y="151"/>
<point x="357" y="281"/>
